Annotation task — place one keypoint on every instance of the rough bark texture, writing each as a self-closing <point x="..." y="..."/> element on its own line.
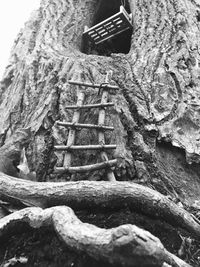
<point x="156" y="111"/>
<point x="157" y="103"/>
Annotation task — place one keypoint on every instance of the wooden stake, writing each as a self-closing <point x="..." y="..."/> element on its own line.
<point x="101" y="121"/>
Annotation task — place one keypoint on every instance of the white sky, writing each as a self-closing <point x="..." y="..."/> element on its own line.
<point x="13" y="15"/>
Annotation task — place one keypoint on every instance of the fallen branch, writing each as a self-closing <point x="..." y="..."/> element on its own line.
<point x="101" y="194"/>
<point x="127" y="244"/>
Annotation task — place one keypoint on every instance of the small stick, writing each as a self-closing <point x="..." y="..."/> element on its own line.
<point x="93" y="85"/>
<point x="72" y="131"/>
<point x="101" y="121"/>
<point x="85" y="147"/>
<point x="79" y="125"/>
<point x="91" y="106"/>
<point x="86" y="168"/>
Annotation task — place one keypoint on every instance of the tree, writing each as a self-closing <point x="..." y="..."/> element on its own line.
<point x="155" y="120"/>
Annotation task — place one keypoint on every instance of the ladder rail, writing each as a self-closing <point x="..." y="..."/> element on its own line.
<point x="72" y="131"/>
<point x="101" y="121"/>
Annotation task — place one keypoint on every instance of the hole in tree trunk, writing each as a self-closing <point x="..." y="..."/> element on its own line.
<point x="118" y="44"/>
<point x="198" y="15"/>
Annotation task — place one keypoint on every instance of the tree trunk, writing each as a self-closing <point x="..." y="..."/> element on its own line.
<point x="156" y="109"/>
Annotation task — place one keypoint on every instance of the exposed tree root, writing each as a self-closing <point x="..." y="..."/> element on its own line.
<point x="87" y="195"/>
<point x="127" y="244"/>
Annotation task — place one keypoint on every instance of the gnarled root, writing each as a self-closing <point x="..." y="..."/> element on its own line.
<point x="127" y="244"/>
<point x="88" y="194"/>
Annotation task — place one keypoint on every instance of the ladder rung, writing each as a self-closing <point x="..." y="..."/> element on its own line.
<point x="103" y="85"/>
<point x="85" y="147"/>
<point x="79" y="125"/>
<point x="86" y="168"/>
<point x="91" y="106"/>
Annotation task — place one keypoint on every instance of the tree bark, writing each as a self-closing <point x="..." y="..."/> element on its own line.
<point x="157" y="100"/>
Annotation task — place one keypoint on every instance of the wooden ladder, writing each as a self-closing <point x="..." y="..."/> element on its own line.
<point x="101" y="128"/>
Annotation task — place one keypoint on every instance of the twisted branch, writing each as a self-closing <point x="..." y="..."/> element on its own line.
<point x="127" y="244"/>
